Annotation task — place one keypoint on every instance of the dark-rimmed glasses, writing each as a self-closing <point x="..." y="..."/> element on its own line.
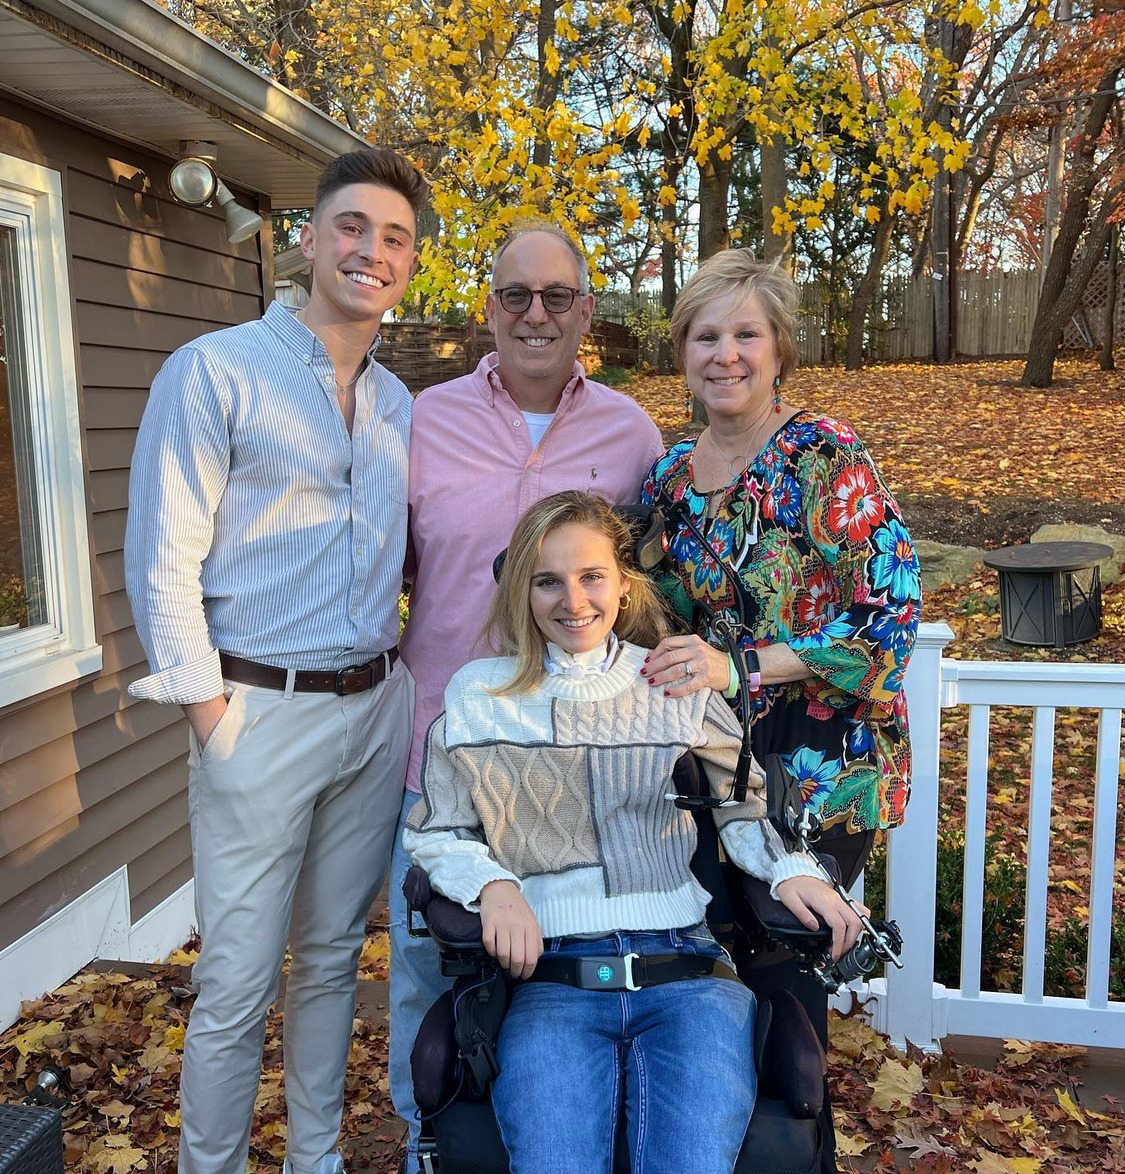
<point x="517" y="299"/>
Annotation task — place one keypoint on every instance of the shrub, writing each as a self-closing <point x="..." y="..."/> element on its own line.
<point x="1002" y="924"/>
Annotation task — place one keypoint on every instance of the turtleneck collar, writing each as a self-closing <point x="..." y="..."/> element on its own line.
<point x="575" y="666"/>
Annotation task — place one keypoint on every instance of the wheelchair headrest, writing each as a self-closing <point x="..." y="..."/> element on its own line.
<point x="645" y="522"/>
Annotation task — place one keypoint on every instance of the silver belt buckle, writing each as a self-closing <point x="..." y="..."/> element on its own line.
<point x="630" y="984"/>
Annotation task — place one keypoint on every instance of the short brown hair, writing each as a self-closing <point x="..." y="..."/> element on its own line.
<point x="738" y="271"/>
<point x="511" y="629"/>
<point x="380" y="166"/>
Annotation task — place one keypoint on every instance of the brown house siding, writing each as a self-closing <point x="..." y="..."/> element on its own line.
<point x="90" y="779"/>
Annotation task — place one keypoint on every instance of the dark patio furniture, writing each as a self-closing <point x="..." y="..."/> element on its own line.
<point x="30" y="1140"/>
<point x="1050" y="592"/>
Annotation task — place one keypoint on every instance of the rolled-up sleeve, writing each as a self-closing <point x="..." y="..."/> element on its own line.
<point x="178" y="476"/>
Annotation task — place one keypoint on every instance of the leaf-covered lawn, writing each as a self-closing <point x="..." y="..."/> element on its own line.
<point x="974" y="460"/>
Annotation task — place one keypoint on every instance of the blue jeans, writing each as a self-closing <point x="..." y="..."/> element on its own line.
<point x="679" y="1057"/>
<point x="416" y="984"/>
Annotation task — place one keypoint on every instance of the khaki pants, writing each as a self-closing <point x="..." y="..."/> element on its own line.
<point x="293" y="803"/>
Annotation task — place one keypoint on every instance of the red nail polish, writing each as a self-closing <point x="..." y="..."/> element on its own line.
<point x="666" y="693"/>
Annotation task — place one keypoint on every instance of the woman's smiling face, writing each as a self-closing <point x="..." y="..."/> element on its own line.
<point x="730" y="355"/>
<point x="576" y="588"/>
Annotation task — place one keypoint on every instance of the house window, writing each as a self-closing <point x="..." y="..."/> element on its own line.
<point x="46" y="598"/>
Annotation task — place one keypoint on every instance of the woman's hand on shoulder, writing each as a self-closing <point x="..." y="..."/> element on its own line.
<point x="511" y="930"/>
<point x="685" y="664"/>
<point x="806" y="896"/>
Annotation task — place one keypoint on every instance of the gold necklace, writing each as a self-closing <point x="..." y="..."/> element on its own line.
<point x="742" y="458"/>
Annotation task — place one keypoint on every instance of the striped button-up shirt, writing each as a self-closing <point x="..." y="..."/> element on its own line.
<point x="257" y="524"/>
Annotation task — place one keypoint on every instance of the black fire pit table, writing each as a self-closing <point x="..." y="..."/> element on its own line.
<point x="1050" y="592"/>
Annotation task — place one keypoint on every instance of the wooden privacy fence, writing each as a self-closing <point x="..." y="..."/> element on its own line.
<point x="995" y="313"/>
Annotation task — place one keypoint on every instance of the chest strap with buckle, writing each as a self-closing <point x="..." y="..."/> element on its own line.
<point x="628" y="973"/>
<point x="356" y="678"/>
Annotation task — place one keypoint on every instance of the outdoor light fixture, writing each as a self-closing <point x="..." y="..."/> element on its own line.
<point x="195" y="184"/>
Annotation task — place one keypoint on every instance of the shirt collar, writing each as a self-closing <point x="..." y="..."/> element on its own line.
<point x="490" y="383"/>
<point x="283" y="321"/>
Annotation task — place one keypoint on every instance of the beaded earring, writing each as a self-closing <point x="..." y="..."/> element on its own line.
<point x="777" y="393"/>
<point x="689" y="405"/>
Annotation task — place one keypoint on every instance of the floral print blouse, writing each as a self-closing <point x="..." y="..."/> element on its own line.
<point x="824" y="564"/>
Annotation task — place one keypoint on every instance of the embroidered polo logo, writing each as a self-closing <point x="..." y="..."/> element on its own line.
<point x="605" y="973"/>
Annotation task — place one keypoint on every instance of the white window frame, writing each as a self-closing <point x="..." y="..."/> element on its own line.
<point x="65" y="647"/>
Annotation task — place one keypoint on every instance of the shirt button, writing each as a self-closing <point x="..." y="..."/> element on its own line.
<point x="516" y="423"/>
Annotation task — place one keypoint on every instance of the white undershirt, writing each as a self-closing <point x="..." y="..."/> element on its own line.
<point x="537" y="424"/>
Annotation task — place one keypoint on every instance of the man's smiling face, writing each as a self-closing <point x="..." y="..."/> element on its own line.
<point x="537" y="349"/>
<point x="361" y="244"/>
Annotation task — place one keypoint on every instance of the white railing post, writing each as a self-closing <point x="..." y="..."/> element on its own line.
<point x="912" y="851"/>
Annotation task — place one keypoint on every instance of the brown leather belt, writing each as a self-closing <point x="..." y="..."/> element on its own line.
<point x="356" y="678"/>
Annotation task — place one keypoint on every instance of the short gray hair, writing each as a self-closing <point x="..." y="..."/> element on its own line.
<point x="526" y="228"/>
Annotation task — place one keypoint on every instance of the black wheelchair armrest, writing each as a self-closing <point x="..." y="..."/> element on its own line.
<point x="777" y="921"/>
<point x="454" y="929"/>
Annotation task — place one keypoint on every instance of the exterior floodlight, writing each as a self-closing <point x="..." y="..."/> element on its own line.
<point x="241" y="222"/>
<point x="195" y="184"/>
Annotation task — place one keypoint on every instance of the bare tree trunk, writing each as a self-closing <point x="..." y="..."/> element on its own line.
<point x="775" y="184"/>
<point x="547" y="89"/>
<point x="1058" y="298"/>
<point x="1105" y="359"/>
<point x="714" y="195"/>
<point x="865" y="292"/>
<point x="1050" y="322"/>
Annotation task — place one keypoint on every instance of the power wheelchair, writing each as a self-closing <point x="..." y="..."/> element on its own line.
<point x="453" y="1060"/>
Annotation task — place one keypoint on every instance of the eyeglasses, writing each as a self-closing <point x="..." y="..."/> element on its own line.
<point x="517" y="299"/>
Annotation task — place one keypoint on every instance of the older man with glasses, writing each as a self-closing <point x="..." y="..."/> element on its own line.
<point x="526" y="423"/>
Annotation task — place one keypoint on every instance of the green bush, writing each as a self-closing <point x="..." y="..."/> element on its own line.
<point x="614" y="376"/>
<point x="1002" y="925"/>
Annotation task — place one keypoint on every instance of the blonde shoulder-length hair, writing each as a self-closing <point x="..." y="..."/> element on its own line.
<point x="511" y="629"/>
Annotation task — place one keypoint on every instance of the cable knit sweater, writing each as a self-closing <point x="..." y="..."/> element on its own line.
<point x="564" y="791"/>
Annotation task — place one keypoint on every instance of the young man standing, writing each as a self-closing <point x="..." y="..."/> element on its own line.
<point x="266" y="535"/>
<point x="525" y="424"/>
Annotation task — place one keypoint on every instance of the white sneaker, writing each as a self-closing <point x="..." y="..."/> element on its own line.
<point x="330" y="1164"/>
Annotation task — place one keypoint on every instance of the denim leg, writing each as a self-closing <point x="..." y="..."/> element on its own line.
<point x="416" y="984"/>
<point x="557" y="1095"/>
<point x="690" y="1080"/>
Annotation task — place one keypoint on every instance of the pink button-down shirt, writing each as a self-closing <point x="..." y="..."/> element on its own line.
<point x="472" y="473"/>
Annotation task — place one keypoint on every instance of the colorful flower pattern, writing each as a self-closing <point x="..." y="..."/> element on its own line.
<point x="824" y="564"/>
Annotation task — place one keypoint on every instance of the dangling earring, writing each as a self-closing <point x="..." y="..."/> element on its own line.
<point x="624" y="604"/>
<point x="777" y="393"/>
<point x="689" y="404"/>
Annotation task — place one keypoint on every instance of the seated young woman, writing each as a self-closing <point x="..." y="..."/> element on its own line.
<point x="546" y="806"/>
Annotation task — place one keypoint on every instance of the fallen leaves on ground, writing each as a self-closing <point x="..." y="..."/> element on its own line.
<point x="935" y="1113"/>
<point x="118" y="1039"/>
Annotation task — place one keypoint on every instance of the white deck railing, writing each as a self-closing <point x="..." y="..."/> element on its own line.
<point x="908" y="1004"/>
